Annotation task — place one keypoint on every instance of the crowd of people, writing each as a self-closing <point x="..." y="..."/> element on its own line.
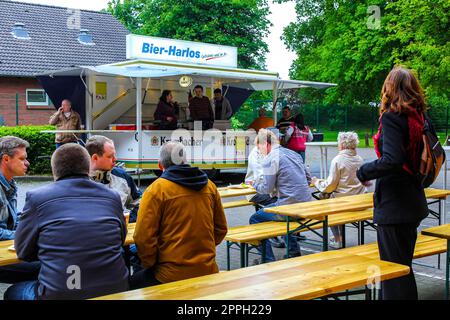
<point x="70" y="233"/>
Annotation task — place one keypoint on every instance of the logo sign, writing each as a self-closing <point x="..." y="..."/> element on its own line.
<point x="155" y="141"/>
<point x="152" y="48"/>
<point x="186" y="81"/>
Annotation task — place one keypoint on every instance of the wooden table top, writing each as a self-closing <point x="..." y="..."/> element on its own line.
<point x="318" y="210"/>
<point x="438" y="232"/>
<point x="7" y="257"/>
<point x="227" y="192"/>
<point x="306" y="277"/>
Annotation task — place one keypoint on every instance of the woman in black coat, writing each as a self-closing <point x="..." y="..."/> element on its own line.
<point x="399" y="199"/>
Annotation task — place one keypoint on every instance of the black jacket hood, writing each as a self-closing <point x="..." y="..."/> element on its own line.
<point x="186" y="176"/>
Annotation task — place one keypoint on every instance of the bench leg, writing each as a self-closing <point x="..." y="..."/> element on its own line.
<point x="440" y="221"/>
<point x="325" y="234"/>
<point x="447" y="272"/>
<point x="360" y="232"/>
<point x="228" y="256"/>
<point x="263" y="251"/>
<point x="343" y="236"/>
<point x="368" y="294"/>
<point x="243" y="250"/>
<point x="287" y="237"/>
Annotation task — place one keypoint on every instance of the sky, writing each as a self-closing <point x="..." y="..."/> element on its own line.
<point x="279" y="59"/>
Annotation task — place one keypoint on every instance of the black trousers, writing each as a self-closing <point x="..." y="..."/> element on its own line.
<point x="143" y="278"/>
<point x="396" y="243"/>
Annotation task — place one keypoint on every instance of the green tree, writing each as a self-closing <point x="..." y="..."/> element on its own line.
<point x="239" y="23"/>
<point x="338" y="41"/>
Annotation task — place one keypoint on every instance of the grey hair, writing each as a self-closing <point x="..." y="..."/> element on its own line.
<point x="9" y="144"/>
<point x="268" y="136"/>
<point x="172" y="153"/>
<point x="348" y="140"/>
<point x="96" y="145"/>
<point x="69" y="160"/>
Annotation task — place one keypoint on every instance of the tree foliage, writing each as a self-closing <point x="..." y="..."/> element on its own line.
<point x="240" y="23"/>
<point x="338" y="41"/>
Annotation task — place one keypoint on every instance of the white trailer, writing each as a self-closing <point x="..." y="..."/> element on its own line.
<point x="121" y="99"/>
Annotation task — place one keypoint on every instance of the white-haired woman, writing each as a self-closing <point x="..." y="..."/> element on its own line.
<point x="342" y="180"/>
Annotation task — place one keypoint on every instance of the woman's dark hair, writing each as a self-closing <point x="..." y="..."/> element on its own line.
<point x="164" y="95"/>
<point x="402" y="91"/>
<point x="300" y="121"/>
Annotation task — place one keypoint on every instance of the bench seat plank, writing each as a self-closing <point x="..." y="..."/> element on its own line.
<point x="305" y="277"/>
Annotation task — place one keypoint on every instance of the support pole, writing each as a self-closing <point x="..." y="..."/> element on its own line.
<point x="274" y="100"/>
<point x="139" y="124"/>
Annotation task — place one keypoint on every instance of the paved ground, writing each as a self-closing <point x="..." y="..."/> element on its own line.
<point x="430" y="279"/>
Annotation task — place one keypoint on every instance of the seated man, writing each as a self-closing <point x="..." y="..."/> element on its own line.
<point x="285" y="174"/>
<point x="13" y="162"/>
<point x="76" y="228"/>
<point x="180" y="223"/>
<point x="103" y="159"/>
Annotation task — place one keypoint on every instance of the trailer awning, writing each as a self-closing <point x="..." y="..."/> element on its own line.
<point x="257" y="80"/>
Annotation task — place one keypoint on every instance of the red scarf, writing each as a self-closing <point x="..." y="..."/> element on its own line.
<point x="413" y="149"/>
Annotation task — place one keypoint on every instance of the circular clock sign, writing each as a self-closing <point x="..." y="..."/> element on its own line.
<point x="185" y="81"/>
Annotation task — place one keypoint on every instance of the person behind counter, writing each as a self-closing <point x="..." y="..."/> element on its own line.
<point x="166" y="111"/>
<point x="222" y="106"/>
<point x="200" y="108"/>
<point x="261" y="122"/>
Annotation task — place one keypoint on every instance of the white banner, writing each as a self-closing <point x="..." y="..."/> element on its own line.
<point x="152" y="48"/>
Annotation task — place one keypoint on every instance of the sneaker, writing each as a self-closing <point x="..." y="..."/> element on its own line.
<point x="335" y="244"/>
<point x="277" y="243"/>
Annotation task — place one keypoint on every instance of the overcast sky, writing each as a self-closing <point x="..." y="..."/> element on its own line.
<point x="278" y="59"/>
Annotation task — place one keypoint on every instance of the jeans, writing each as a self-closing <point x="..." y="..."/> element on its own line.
<point x="25" y="271"/>
<point x="22" y="291"/>
<point x="262" y="216"/>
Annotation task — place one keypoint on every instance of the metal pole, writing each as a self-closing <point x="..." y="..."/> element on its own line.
<point x="17" y="109"/>
<point x="317" y="117"/>
<point x="446" y="125"/>
<point x="274" y="101"/>
<point x="139" y="124"/>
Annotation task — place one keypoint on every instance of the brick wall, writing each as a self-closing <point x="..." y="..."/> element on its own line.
<point x="9" y="86"/>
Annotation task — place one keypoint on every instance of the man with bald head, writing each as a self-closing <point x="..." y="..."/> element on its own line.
<point x="66" y="119"/>
<point x="76" y="228"/>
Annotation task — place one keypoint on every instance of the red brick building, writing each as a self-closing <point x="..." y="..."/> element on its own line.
<point x="37" y="38"/>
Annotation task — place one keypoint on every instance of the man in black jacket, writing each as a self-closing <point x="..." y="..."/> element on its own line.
<point x="76" y="228"/>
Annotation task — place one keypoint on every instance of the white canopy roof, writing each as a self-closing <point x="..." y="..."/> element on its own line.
<point x="243" y="78"/>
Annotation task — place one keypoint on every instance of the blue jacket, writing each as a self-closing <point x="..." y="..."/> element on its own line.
<point x="71" y="225"/>
<point x="8" y="208"/>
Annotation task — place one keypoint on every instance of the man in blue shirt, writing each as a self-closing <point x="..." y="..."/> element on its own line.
<point x="13" y="163"/>
<point x="285" y="175"/>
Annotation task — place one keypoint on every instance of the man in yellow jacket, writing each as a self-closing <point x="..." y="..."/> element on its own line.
<point x="180" y="222"/>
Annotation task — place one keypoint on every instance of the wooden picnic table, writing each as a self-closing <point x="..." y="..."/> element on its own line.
<point x="444" y="233"/>
<point x="311" y="213"/>
<point x="307" y="277"/>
